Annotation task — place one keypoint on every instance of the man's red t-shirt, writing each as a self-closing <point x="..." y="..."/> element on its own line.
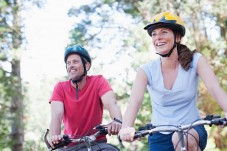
<point x="83" y="114"/>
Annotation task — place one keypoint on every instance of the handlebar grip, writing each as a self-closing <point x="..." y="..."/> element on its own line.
<point x="141" y="128"/>
<point x="216" y="122"/>
<point x="140" y="134"/>
<point x="66" y="140"/>
<point x="147" y="127"/>
<point x="221" y="121"/>
<point x="211" y="117"/>
<point x="224" y="121"/>
<point x="104" y="131"/>
<point x="217" y="116"/>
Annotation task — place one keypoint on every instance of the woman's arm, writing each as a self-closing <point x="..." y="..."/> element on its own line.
<point x="135" y="101"/>
<point x="136" y="98"/>
<point x="211" y="82"/>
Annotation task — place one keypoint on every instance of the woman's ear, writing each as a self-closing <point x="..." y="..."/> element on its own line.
<point x="178" y="38"/>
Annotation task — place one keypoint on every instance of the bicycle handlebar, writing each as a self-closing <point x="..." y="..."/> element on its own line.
<point x="208" y="120"/>
<point x="66" y="140"/>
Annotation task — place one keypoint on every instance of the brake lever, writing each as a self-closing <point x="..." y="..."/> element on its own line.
<point x="46" y="141"/>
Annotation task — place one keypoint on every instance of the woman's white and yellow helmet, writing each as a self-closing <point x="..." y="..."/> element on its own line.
<point x="166" y="20"/>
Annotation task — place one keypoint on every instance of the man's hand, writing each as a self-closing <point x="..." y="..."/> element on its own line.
<point x="114" y="128"/>
<point x="55" y="140"/>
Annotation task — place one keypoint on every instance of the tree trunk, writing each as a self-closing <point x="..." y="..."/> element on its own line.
<point x="17" y="106"/>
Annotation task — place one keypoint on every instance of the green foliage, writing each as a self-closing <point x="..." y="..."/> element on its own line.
<point x="4" y="129"/>
<point x="4" y="112"/>
<point x="97" y="17"/>
<point x="5" y="140"/>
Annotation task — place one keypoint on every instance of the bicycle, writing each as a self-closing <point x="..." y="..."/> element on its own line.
<point x="85" y="142"/>
<point x="180" y="129"/>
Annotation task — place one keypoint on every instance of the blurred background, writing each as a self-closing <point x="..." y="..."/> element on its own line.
<point x="34" y="33"/>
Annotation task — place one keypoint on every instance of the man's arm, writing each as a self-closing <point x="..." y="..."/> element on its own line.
<point x="57" y="111"/>
<point x="110" y="103"/>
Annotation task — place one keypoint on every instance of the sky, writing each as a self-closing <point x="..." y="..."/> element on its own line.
<point x="47" y="32"/>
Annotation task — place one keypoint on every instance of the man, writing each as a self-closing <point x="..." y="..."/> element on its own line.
<point x="79" y="101"/>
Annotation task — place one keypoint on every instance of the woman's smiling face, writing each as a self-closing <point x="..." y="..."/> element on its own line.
<point x="163" y="40"/>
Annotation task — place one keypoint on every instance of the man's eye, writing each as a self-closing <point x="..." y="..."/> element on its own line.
<point x="75" y="61"/>
<point x="164" y="32"/>
<point x="153" y="34"/>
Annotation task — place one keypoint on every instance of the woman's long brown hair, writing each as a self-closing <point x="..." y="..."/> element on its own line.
<point x="185" y="56"/>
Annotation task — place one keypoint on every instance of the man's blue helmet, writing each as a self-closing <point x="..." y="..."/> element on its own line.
<point x="77" y="49"/>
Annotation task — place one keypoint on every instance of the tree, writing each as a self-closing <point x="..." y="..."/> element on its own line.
<point x="12" y="96"/>
<point x="10" y="47"/>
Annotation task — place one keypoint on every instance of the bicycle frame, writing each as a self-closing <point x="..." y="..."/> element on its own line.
<point x="181" y="135"/>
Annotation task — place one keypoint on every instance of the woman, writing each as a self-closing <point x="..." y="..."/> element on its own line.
<point x="172" y="82"/>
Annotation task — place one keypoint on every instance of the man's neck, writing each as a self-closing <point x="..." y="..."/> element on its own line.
<point x="81" y="84"/>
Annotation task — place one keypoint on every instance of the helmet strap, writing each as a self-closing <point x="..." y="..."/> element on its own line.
<point x="171" y="50"/>
<point x="81" y="77"/>
<point x="169" y="53"/>
<point x="77" y="87"/>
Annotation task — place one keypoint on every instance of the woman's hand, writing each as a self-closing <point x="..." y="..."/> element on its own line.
<point x="127" y="134"/>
